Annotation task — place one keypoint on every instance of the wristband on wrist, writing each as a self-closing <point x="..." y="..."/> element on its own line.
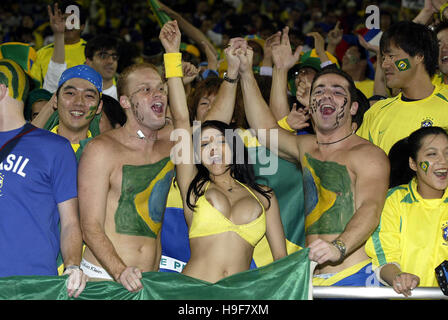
<point x="173" y="65"/>
<point x="226" y="78"/>
<point x="284" y="124"/>
<point x="73" y="266"/>
<point x="442" y="9"/>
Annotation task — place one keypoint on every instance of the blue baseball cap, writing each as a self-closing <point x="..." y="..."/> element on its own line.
<point x="82" y="71"/>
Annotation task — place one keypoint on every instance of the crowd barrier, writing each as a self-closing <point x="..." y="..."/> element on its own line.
<point x="336" y="292"/>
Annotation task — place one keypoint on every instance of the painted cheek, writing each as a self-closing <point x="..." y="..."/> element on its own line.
<point x="424" y="165"/>
<point x="92" y="111"/>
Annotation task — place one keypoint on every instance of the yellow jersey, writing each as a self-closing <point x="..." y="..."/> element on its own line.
<point x="393" y="119"/>
<point x="413" y="232"/>
<point x="366" y="86"/>
<point x="75" y="146"/>
<point x="74" y="55"/>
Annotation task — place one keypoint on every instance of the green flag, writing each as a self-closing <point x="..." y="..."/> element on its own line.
<point x="286" y="279"/>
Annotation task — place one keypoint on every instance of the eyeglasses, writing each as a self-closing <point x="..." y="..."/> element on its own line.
<point x="103" y="55"/>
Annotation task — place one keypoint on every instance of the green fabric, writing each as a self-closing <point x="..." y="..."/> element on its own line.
<point x="19" y="52"/>
<point x="94" y="124"/>
<point x="287" y="184"/>
<point x="284" y="279"/>
<point x="162" y="17"/>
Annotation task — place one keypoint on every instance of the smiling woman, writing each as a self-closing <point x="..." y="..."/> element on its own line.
<point x="415" y="216"/>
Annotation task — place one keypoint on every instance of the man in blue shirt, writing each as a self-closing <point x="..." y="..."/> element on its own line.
<point x="38" y="192"/>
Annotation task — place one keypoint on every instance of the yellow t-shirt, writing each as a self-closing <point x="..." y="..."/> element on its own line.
<point x="75" y="146"/>
<point x="366" y="87"/>
<point x="413" y="232"/>
<point x="74" y="55"/>
<point x="393" y="119"/>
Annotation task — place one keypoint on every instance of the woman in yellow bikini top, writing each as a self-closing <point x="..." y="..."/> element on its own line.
<point x="226" y="211"/>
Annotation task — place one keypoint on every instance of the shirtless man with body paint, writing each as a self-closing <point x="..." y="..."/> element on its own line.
<point x="124" y="179"/>
<point x="345" y="176"/>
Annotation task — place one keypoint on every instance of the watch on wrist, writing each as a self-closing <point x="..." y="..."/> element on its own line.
<point x="341" y="247"/>
<point x="226" y="78"/>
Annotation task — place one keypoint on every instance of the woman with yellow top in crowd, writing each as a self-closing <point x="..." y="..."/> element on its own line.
<point x="412" y="237"/>
<point x="227" y="212"/>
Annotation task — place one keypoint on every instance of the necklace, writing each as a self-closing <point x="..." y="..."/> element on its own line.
<point x="333" y="142"/>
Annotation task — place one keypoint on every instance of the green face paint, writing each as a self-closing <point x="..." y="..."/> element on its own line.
<point x="403" y="64"/>
<point x="91" y="114"/>
<point x="424" y="165"/>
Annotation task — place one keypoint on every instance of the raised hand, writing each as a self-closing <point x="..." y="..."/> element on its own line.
<point x="282" y="54"/>
<point x="367" y="45"/>
<point x="190" y="72"/>
<point x="298" y="117"/>
<point x="233" y="62"/>
<point x="170" y="37"/>
<point x="210" y="53"/>
<point x="245" y="55"/>
<point x="57" y="19"/>
<point x="319" y="42"/>
<point x="335" y="35"/>
<point x="269" y="43"/>
<point x="303" y="90"/>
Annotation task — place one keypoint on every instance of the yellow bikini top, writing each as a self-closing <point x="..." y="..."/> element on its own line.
<point x="207" y="220"/>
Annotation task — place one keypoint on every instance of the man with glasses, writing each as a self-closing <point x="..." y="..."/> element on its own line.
<point x="102" y="55"/>
<point x="124" y="178"/>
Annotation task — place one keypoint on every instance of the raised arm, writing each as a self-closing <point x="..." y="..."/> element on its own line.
<point x="187" y="28"/>
<point x="224" y="104"/>
<point x="379" y="87"/>
<point x="185" y="169"/>
<point x="260" y="116"/>
<point x="57" y="63"/>
<point x="425" y="15"/>
<point x="334" y="38"/>
<point x="284" y="59"/>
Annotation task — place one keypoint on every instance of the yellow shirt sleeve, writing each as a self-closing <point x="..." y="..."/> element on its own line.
<point x="384" y="244"/>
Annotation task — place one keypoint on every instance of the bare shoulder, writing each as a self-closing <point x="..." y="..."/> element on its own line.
<point x="104" y="147"/>
<point x="366" y="156"/>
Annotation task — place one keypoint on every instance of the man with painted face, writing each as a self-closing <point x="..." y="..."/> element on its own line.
<point x="78" y="100"/>
<point x="409" y="54"/>
<point x="38" y="192"/>
<point x="124" y="178"/>
<point x="345" y="177"/>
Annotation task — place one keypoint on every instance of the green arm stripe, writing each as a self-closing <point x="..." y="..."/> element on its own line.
<point x="441" y="96"/>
